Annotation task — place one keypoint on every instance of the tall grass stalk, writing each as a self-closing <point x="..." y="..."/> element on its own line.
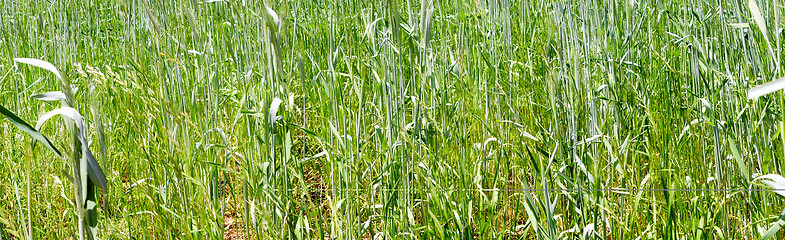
<point x="83" y="162"/>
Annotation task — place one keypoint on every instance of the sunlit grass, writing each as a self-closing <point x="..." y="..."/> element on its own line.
<point x="398" y="119"/>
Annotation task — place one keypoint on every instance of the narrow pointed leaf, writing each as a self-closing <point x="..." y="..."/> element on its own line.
<point x="95" y="107"/>
<point x="67" y="112"/>
<point x="83" y="178"/>
<point x="737" y="156"/>
<point x="74" y="115"/>
<point x="774" y="181"/>
<point x="274" y="110"/>
<point x="40" y="63"/>
<point x="50" y="96"/>
<point x="94" y="171"/>
<point x="91" y="219"/>
<point x="21" y="124"/>
<point x="758" y="17"/>
<point x="273" y="16"/>
<point x="766" y="88"/>
<point x="772" y="231"/>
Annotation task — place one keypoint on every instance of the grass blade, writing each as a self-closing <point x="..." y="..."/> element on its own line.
<point x="735" y="151"/>
<point x="40" y="63"/>
<point x="67" y="112"/>
<point x="50" y="96"/>
<point x="21" y="124"/>
<point x="94" y="171"/>
<point x="773" y="230"/>
<point x="766" y="88"/>
<point x="274" y="110"/>
<point x="774" y="181"/>
<point x="758" y="17"/>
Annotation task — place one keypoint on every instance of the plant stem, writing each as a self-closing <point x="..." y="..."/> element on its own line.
<point x="29" y="207"/>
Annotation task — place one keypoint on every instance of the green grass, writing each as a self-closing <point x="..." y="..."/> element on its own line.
<point x="398" y="119"/>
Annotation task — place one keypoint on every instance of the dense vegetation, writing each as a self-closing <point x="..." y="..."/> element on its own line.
<point x="392" y="119"/>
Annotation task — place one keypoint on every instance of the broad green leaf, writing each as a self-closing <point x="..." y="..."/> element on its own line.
<point x="438" y="224"/>
<point x="67" y="112"/>
<point x="739" y="25"/>
<point x="524" y="133"/>
<point x="772" y="230"/>
<point x="758" y="17"/>
<point x="21" y="124"/>
<point x="274" y="110"/>
<point x="774" y="181"/>
<point x="587" y="231"/>
<point x="91" y="219"/>
<point x="766" y="88"/>
<point x="273" y="15"/>
<point x="735" y="151"/>
<point x="95" y="107"/>
<point x="40" y="63"/>
<point x="94" y="171"/>
<point x="370" y="28"/>
<point x="50" y="96"/>
<point x="761" y="22"/>
<point x="83" y="178"/>
<point x="89" y="168"/>
<point x="457" y="218"/>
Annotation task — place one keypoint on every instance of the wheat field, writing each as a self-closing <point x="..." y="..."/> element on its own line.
<point x="347" y="119"/>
